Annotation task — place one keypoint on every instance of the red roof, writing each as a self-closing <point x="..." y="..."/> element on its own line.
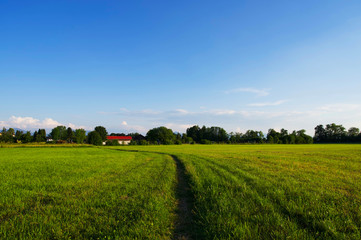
<point x="119" y="138"/>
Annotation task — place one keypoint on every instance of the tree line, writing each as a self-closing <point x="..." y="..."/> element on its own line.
<point x="331" y="133"/>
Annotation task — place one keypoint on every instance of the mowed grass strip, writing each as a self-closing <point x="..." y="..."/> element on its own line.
<point x="86" y="193"/>
<point x="273" y="191"/>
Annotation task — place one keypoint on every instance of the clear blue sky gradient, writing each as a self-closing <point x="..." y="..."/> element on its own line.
<point x="134" y="65"/>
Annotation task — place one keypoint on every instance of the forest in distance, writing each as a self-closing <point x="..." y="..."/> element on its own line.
<point x="331" y="133"/>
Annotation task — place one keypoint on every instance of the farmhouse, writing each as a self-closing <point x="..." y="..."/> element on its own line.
<point x="123" y="140"/>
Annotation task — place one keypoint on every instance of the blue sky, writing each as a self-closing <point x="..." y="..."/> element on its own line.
<point x="134" y="65"/>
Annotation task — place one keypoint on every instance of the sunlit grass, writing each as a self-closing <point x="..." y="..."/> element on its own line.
<point x="274" y="191"/>
<point x="85" y="193"/>
<point x="129" y="192"/>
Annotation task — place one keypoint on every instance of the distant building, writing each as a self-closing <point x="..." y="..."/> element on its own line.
<point x="123" y="140"/>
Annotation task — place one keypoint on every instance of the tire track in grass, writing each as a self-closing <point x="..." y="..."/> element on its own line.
<point x="39" y="200"/>
<point x="302" y="221"/>
<point x="184" y="224"/>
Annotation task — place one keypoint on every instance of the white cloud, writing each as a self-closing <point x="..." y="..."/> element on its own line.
<point x="134" y="128"/>
<point x="258" y="92"/>
<point x="124" y="123"/>
<point x="181" y="111"/>
<point x="265" y="104"/>
<point x="33" y="123"/>
<point x="221" y="112"/>
<point x="178" y="127"/>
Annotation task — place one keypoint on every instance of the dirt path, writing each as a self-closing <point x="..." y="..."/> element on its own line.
<point x="183" y="224"/>
<point x="184" y="229"/>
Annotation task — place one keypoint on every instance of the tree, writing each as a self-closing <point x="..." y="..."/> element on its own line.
<point x="284" y="138"/>
<point x="58" y="133"/>
<point x="18" y="135"/>
<point x="273" y="136"/>
<point x="69" y="135"/>
<point x="303" y="138"/>
<point x="102" y="132"/>
<point x="95" y="138"/>
<point x="42" y="135"/>
<point x="335" y="133"/>
<point x="252" y="136"/>
<point x="7" y="135"/>
<point x="26" y="138"/>
<point x="80" y="136"/>
<point x="36" y="138"/>
<point x="161" y="135"/>
<point x="352" y="134"/>
<point x="320" y="134"/>
<point x="39" y="136"/>
<point x="193" y="132"/>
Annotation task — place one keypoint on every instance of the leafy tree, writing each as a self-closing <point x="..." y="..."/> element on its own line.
<point x="161" y="135"/>
<point x="117" y="134"/>
<point x="302" y="138"/>
<point x="42" y="135"/>
<point x="26" y="138"/>
<point x="214" y="134"/>
<point x="284" y="137"/>
<point x="136" y="136"/>
<point x="18" y="135"/>
<point x="39" y="136"/>
<point x="273" y="136"/>
<point x="270" y="139"/>
<point x="335" y="133"/>
<point x="95" y="138"/>
<point x="353" y="132"/>
<point x="320" y="134"/>
<point x="292" y="138"/>
<point x="252" y="136"/>
<point x="58" y="133"/>
<point x="102" y="132"/>
<point x="7" y="135"/>
<point x="236" y="137"/>
<point x="80" y="135"/>
<point x="36" y="137"/>
<point x="69" y="135"/>
<point x="194" y="132"/>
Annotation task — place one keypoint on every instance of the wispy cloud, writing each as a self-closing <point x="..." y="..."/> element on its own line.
<point x="33" y="123"/>
<point x="181" y="119"/>
<point x="340" y="107"/>
<point x="265" y="104"/>
<point x="258" y="92"/>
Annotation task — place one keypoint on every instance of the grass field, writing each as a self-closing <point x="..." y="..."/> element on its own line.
<point x="189" y="191"/>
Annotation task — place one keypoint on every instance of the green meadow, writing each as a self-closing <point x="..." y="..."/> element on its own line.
<point x="181" y="192"/>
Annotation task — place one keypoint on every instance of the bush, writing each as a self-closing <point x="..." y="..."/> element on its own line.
<point x="112" y="143"/>
<point x="205" y="141"/>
